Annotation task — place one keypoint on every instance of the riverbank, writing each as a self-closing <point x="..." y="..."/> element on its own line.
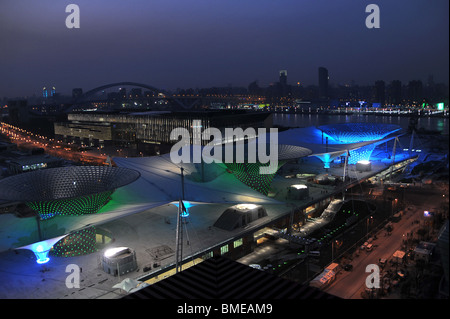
<point x="390" y="112"/>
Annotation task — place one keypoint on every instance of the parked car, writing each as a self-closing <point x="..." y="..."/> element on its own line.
<point x="314" y="253"/>
<point x="348" y="267"/>
<point x="256" y="266"/>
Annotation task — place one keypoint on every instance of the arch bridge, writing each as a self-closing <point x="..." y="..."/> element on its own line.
<point x="183" y="102"/>
<point x="107" y="86"/>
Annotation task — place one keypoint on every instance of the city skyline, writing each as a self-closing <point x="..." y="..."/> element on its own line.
<point x="176" y="44"/>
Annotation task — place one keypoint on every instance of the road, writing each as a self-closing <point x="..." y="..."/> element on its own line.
<point x="29" y="140"/>
<point x="349" y="285"/>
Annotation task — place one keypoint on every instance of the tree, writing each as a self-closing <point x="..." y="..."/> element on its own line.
<point x="421" y="232"/>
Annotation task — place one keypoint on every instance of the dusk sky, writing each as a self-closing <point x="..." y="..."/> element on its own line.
<point x="173" y="44"/>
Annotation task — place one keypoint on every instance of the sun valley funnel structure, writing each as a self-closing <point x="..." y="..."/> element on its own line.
<point x="75" y="190"/>
<point x="350" y="133"/>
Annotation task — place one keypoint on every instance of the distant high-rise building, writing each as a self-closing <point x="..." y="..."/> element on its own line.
<point x="283" y="86"/>
<point x="415" y="91"/>
<point x="283" y="77"/>
<point x="380" y="92"/>
<point x="323" y="83"/>
<point x="53" y="91"/>
<point x="429" y="91"/>
<point x="254" y="89"/>
<point x="18" y="112"/>
<point x="395" y="93"/>
<point x="430" y="81"/>
<point x="44" y="92"/>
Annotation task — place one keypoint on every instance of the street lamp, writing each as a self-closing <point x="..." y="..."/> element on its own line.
<point x="367" y="225"/>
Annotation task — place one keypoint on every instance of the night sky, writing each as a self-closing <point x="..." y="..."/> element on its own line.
<point x="173" y="44"/>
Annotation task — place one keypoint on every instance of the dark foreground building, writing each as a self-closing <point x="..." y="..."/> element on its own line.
<point x="222" y="278"/>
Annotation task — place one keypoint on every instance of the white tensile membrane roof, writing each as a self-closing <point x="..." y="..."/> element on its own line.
<point x="65" y="182"/>
<point x="160" y="181"/>
<point x="159" y="184"/>
<point x="311" y="138"/>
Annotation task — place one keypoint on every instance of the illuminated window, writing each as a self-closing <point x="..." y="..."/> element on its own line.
<point x="208" y="255"/>
<point x="238" y="243"/>
<point x="223" y="249"/>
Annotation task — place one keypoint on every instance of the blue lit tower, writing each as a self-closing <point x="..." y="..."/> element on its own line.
<point x="44" y="92"/>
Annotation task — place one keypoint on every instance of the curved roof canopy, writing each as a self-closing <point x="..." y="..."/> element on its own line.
<point x="341" y="137"/>
<point x="358" y="132"/>
<point x="285" y="152"/>
<point x="65" y="182"/>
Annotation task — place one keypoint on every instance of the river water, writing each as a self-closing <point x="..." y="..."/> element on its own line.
<point x="303" y="120"/>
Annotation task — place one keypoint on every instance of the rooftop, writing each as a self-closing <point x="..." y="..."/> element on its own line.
<point x="142" y="215"/>
<point x="64" y="182"/>
<point x="221" y="278"/>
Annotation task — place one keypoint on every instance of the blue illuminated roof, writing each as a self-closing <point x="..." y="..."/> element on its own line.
<point x="330" y="141"/>
<point x="336" y="139"/>
<point x="346" y="133"/>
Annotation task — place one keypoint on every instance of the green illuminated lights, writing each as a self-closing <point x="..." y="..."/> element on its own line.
<point x="71" y="207"/>
<point x="248" y="173"/>
<point x="79" y="243"/>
